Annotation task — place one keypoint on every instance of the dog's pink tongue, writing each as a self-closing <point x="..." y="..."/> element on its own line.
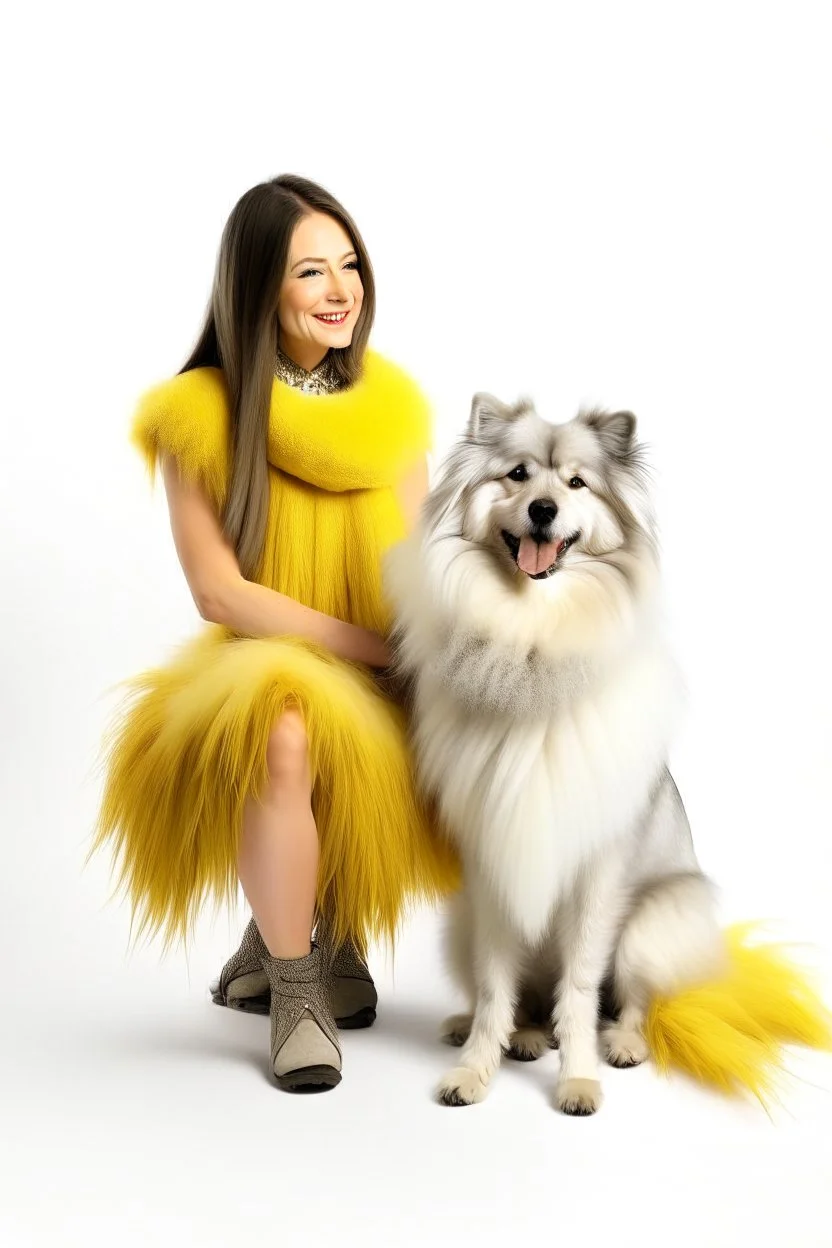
<point x="532" y="558"/>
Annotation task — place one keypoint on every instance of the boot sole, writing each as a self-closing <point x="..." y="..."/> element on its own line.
<point x="262" y="1005"/>
<point x="361" y="1018"/>
<point x="309" y="1079"/>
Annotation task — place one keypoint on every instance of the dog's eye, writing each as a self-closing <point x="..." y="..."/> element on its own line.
<point x="577" y="483"/>
<point x="518" y="474"/>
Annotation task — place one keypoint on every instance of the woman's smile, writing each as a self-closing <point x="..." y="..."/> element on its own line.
<point x="332" y="318"/>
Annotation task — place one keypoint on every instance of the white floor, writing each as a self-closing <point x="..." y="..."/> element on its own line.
<point x="135" y="1108"/>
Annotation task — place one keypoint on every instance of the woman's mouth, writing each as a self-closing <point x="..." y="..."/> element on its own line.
<point x="331" y="318"/>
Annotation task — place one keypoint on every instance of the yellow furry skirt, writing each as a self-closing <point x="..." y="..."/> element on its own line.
<point x="188" y="748"/>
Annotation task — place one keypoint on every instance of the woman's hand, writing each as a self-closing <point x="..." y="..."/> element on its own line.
<point x="379" y="654"/>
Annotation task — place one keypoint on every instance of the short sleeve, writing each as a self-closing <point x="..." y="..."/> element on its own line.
<point x="188" y="417"/>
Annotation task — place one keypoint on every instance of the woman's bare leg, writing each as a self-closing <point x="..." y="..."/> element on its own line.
<point x="278" y="858"/>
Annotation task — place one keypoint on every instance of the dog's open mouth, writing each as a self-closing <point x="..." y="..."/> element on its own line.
<point x="537" y="559"/>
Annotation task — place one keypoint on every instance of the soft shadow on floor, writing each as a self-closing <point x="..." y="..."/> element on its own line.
<point x="211" y="1035"/>
<point x="408" y="1023"/>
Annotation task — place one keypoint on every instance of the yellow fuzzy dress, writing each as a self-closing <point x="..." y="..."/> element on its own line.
<point x="188" y="744"/>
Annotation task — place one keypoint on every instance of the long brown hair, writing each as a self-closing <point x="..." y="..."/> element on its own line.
<point x="240" y="333"/>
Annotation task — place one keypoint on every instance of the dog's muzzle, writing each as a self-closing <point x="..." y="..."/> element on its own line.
<point x="537" y="554"/>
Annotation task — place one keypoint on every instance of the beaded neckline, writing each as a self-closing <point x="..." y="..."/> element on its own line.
<point x="322" y="379"/>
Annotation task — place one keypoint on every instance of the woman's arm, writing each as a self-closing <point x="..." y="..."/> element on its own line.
<point x="223" y="596"/>
<point x="411" y="492"/>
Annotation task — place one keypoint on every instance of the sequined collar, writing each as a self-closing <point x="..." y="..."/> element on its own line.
<point x="320" y="380"/>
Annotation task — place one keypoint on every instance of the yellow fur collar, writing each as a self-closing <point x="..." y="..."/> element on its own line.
<point x="362" y="438"/>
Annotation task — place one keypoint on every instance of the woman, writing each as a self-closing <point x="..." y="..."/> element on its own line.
<point x="267" y="752"/>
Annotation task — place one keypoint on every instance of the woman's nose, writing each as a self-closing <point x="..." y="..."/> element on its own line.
<point x="337" y="288"/>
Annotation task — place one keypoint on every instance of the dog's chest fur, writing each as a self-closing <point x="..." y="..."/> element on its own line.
<point x="529" y="801"/>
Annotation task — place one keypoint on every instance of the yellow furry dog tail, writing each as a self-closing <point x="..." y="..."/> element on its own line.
<point x="730" y="1033"/>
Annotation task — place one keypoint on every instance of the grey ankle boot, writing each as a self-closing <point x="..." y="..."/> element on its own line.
<point x="305" y="1054"/>
<point x="352" y="993"/>
<point x="243" y="984"/>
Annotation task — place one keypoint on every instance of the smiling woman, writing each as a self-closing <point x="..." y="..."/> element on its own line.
<point x="322" y="295"/>
<point x="267" y="752"/>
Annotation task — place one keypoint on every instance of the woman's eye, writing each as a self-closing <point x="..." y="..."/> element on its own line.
<point x="577" y="483"/>
<point x="518" y="474"/>
<point x="351" y="264"/>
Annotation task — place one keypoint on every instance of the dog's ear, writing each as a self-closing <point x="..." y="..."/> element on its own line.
<point x="489" y="415"/>
<point x="616" y="431"/>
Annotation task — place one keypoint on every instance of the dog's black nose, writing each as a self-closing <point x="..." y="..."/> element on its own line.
<point x="542" y="511"/>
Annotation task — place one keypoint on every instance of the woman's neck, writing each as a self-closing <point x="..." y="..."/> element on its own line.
<point x="304" y="355"/>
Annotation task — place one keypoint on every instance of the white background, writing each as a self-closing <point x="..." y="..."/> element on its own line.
<point x="622" y="203"/>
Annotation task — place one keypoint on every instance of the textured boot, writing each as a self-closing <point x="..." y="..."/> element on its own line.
<point x="243" y="984"/>
<point x="352" y="992"/>
<point x="305" y="1054"/>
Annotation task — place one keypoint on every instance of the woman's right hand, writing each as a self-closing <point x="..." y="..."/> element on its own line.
<point x="379" y="653"/>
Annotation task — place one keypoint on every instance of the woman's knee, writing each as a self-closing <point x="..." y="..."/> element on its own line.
<point x="287" y="750"/>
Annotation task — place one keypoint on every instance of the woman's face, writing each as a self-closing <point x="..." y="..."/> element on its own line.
<point x="321" y="294"/>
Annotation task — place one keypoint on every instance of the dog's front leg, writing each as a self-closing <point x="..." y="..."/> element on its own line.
<point x="496" y="972"/>
<point x="587" y="926"/>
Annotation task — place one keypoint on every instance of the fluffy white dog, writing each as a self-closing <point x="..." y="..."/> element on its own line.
<point x="544" y="703"/>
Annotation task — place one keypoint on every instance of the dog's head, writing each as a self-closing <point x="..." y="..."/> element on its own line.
<point x="543" y="497"/>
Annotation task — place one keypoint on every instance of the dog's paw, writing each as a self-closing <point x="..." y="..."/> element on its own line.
<point x="527" y="1044"/>
<point x="624" y="1046"/>
<point x="456" y="1029"/>
<point x="461" y="1086"/>
<point x="578" y="1097"/>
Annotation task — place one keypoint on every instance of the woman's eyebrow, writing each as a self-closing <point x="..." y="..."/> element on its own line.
<point x="321" y="259"/>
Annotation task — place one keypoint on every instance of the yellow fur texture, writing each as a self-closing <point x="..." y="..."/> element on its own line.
<point x="730" y="1033"/>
